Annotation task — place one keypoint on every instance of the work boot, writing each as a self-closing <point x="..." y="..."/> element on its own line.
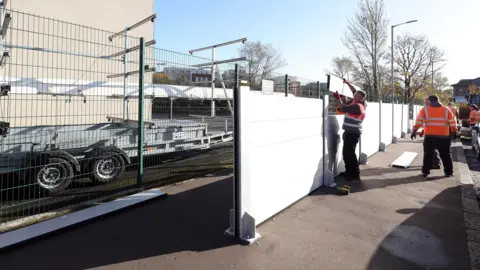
<point x="449" y="174"/>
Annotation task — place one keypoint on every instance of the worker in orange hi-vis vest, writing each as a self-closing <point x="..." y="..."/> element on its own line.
<point x="453" y="110"/>
<point x="438" y="122"/>
<point x="355" y="113"/>
<point x="472" y="118"/>
<point x="436" y="156"/>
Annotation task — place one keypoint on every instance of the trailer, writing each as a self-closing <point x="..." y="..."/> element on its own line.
<point x="52" y="156"/>
<point x="45" y="141"/>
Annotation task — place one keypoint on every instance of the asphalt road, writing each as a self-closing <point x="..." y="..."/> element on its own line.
<point x="158" y="171"/>
<point x="473" y="163"/>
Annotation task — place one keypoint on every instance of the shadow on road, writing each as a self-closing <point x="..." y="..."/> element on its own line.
<point x="192" y="220"/>
<point x="433" y="237"/>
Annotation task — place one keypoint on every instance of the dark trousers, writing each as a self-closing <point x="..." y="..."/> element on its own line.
<point x="442" y="144"/>
<point x="436" y="159"/>
<point x="350" y="141"/>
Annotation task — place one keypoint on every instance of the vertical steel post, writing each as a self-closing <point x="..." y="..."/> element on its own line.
<point x="125" y="99"/>
<point x="286" y="85"/>
<point x="237" y="172"/>
<point x="318" y="89"/>
<point x="393" y="90"/>
<point x="401" y="123"/>
<point x="141" y="97"/>
<point x="212" y="105"/>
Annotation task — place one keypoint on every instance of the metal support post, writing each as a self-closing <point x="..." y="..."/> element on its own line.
<point x="318" y="89"/>
<point x="237" y="156"/>
<point x="393" y="91"/>
<point x="171" y="108"/>
<point x="141" y="130"/>
<point x="212" y="104"/>
<point x="286" y="85"/>
<point x="125" y="99"/>
<point x="402" y="135"/>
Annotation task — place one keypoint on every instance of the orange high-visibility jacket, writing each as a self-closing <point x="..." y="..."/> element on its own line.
<point x="473" y="117"/>
<point x="477" y="117"/>
<point x="453" y="110"/>
<point x="437" y="121"/>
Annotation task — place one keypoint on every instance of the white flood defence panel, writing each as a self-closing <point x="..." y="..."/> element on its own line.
<point x="14" y="237"/>
<point x="404" y="160"/>
<point x="337" y="85"/>
<point x="405" y="119"/>
<point x="386" y="124"/>
<point x="371" y="129"/>
<point x="397" y="124"/>
<point x="282" y="151"/>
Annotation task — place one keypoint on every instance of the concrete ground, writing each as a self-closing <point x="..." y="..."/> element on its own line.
<point x="394" y="219"/>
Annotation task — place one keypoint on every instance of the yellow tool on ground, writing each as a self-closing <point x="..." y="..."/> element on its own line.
<point x="344" y="190"/>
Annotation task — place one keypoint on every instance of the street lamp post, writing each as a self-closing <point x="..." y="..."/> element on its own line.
<point x="393" y="86"/>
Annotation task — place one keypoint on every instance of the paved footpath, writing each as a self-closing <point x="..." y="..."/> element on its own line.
<point x="394" y="219"/>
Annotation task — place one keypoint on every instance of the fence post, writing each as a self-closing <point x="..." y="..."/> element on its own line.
<point x="141" y="130"/>
<point x="237" y="172"/>
<point x="286" y="85"/>
<point x="380" y="145"/>
<point x="402" y="134"/>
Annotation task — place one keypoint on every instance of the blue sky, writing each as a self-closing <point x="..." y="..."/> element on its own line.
<point x="309" y="32"/>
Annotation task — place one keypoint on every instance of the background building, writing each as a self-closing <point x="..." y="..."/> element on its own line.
<point x="63" y="47"/>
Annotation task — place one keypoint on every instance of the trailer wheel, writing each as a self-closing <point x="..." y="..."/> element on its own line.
<point x="55" y="176"/>
<point x="109" y="166"/>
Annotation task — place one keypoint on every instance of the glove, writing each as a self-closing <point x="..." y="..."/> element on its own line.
<point x="414" y="135"/>
<point x="336" y="95"/>
<point x="421" y="133"/>
<point x="344" y="81"/>
<point x="454" y="136"/>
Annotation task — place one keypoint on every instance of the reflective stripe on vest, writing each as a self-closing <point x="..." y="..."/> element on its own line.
<point x="454" y="111"/>
<point x="438" y="126"/>
<point x="353" y="122"/>
<point x="444" y="120"/>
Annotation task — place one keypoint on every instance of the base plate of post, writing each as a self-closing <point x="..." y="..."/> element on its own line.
<point x="247" y="241"/>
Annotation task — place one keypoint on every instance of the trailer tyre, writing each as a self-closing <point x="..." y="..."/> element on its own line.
<point x="55" y="176"/>
<point x="107" y="167"/>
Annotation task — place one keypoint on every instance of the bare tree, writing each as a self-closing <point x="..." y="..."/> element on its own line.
<point x="342" y="67"/>
<point x="414" y="59"/>
<point x="366" y="38"/>
<point x="441" y="82"/>
<point x="262" y="60"/>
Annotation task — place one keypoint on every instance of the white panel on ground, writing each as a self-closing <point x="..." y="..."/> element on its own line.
<point x="337" y="85"/>
<point x="44" y="227"/>
<point x="404" y="160"/>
